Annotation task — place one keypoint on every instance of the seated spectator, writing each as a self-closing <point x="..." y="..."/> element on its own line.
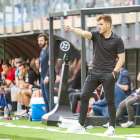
<point x="128" y="104"/>
<point x="37" y="92"/>
<point x="13" y="66"/>
<point x="124" y="81"/>
<point x="8" y="75"/>
<point x="97" y="95"/>
<point x="75" y="96"/>
<point x="58" y="66"/>
<point x="1" y="61"/>
<point x="75" y="80"/>
<point x="133" y="89"/>
<point x="16" y="88"/>
<point x="74" y="76"/>
<point x="101" y="109"/>
<point x="27" y="78"/>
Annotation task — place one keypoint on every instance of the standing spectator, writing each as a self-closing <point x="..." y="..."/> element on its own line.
<point x="43" y="41"/>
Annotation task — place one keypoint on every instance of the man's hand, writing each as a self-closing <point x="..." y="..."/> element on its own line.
<point x="137" y="90"/>
<point x="20" y="74"/>
<point x="66" y="27"/>
<point x="58" y="78"/>
<point x="90" y="103"/>
<point x="78" y="31"/>
<point x="138" y="77"/>
<point x="113" y="74"/>
<point x="3" y="73"/>
<point x="46" y="81"/>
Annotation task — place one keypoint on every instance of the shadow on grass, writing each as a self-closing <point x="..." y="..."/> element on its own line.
<point x="14" y="137"/>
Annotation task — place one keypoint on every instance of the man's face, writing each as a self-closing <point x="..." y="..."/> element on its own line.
<point x="99" y="87"/>
<point x="131" y="85"/>
<point x="41" y="42"/>
<point x="22" y="69"/>
<point x="103" y="26"/>
<point x="13" y="63"/>
<point x="37" y="63"/>
<point x="89" y="67"/>
<point x="16" y="62"/>
<point x="6" y="69"/>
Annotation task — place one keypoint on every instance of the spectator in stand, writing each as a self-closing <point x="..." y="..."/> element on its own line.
<point x="100" y="108"/>
<point x="128" y="104"/>
<point x="8" y="75"/>
<point x="133" y="89"/>
<point x="75" y="94"/>
<point x="37" y="92"/>
<point x="1" y="61"/>
<point x="27" y="79"/>
<point x="116" y="2"/>
<point x="13" y="63"/>
<point x="90" y="3"/>
<point x="74" y="76"/>
<point x="129" y="2"/>
<point x="124" y="81"/>
<point x="97" y="96"/>
<point x="16" y="88"/>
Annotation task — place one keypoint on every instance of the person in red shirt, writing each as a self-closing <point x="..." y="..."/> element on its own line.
<point x="8" y="75"/>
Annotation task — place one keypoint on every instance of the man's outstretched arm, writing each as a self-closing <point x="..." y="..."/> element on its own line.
<point x="78" y="31"/>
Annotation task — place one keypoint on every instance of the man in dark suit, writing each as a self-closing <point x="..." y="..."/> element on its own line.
<point x="43" y="41"/>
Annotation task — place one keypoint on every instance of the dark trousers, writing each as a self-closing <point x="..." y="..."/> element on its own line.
<point x="91" y="83"/>
<point x="45" y="94"/>
<point x="127" y="104"/>
<point x="74" y="97"/>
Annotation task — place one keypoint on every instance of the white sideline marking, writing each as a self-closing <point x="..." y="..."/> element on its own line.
<point x="132" y="138"/>
<point x="5" y="139"/>
<point x="38" y="127"/>
<point x="134" y="135"/>
<point x="55" y="130"/>
<point x="127" y="137"/>
<point x="117" y="136"/>
<point x="99" y="134"/>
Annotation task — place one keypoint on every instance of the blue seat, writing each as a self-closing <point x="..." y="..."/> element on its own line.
<point x="136" y="104"/>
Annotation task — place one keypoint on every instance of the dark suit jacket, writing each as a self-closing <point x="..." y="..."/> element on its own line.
<point x="45" y="64"/>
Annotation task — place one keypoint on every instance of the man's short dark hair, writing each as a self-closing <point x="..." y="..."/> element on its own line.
<point x="27" y="64"/>
<point x="106" y="18"/>
<point x="6" y="63"/>
<point x="22" y="64"/>
<point x="132" y="82"/>
<point x="45" y="37"/>
<point x="21" y="60"/>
